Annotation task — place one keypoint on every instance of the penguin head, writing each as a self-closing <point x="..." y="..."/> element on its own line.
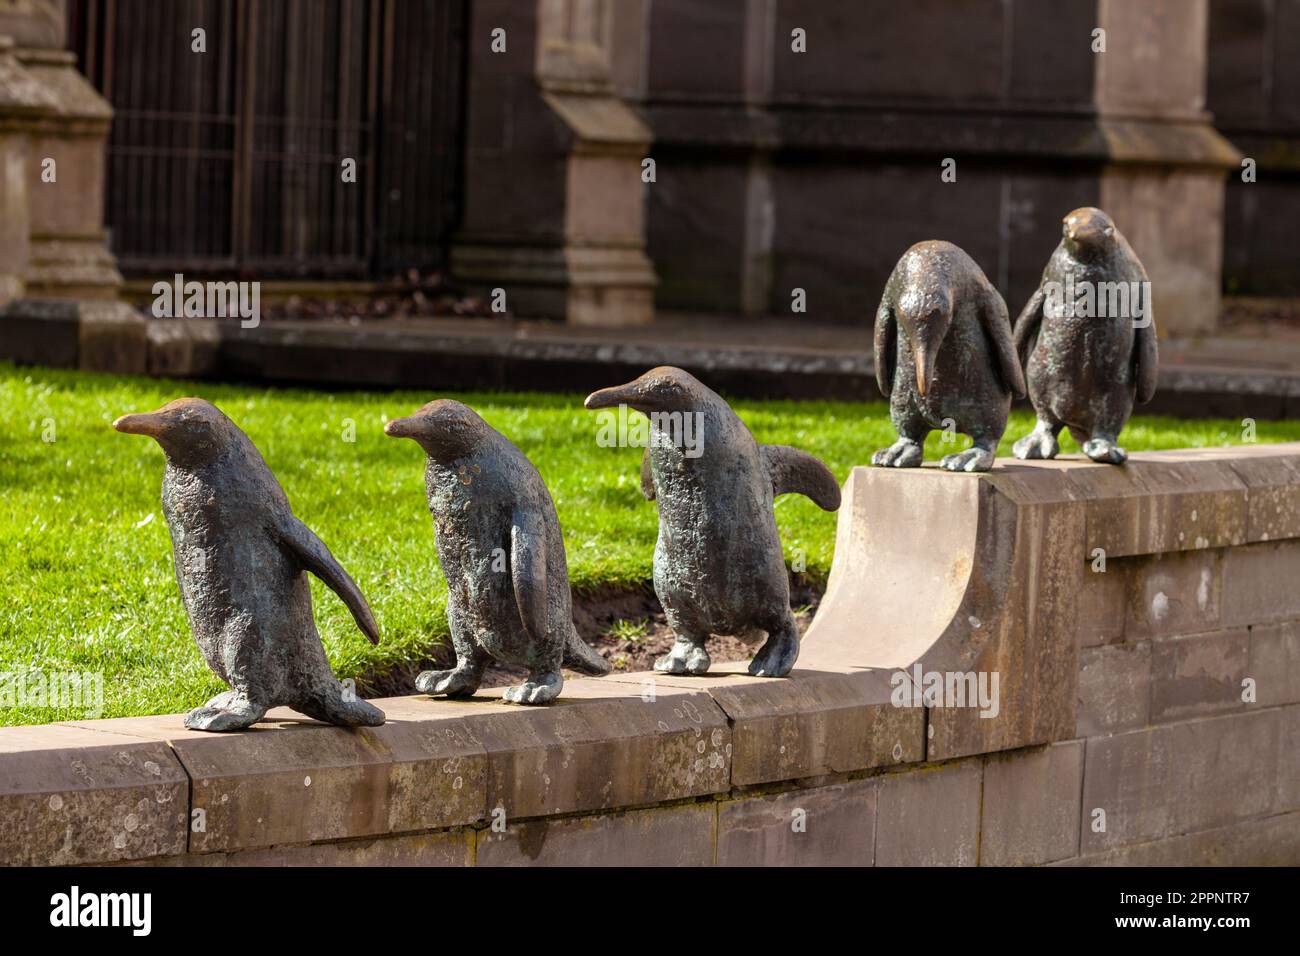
<point x="190" y="430"/>
<point x="445" y="429"/>
<point x="662" y="389"/>
<point x="1086" y="231"/>
<point x="924" y="312"/>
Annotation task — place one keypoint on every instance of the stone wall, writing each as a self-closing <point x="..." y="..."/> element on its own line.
<point x="1254" y="92"/>
<point x="783" y="170"/>
<point x="1149" y="713"/>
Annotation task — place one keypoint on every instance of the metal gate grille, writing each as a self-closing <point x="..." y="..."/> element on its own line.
<point x="230" y="160"/>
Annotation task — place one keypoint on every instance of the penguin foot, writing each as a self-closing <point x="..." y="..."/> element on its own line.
<point x="686" y="657"/>
<point x="777" y="656"/>
<point x="903" y="453"/>
<point x="227" y="711"/>
<point x="453" y="683"/>
<point x="538" y="689"/>
<point x="1105" y="451"/>
<point x="972" y="459"/>
<point x="1036" y="444"/>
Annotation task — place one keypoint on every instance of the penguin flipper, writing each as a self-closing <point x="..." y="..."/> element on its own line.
<point x="1146" y="361"/>
<point x="886" y="337"/>
<point x="316" y="558"/>
<point x="647" y="477"/>
<point x="528" y="571"/>
<point x="796" y="472"/>
<point x="997" y="326"/>
<point x="1026" y="330"/>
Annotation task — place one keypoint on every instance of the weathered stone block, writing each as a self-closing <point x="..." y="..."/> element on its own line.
<point x="1160" y="503"/>
<point x="1179" y="593"/>
<point x="1198" y="674"/>
<point x="291" y="781"/>
<point x="1263" y="841"/>
<point x="1031" y="805"/>
<point x="663" y="836"/>
<point x="447" y="848"/>
<point x="826" y="826"/>
<point x="40" y="333"/>
<point x="182" y="348"/>
<point x="816" y="723"/>
<point x="1103" y="597"/>
<point x="1259" y="583"/>
<point x="112" y="338"/>
<point x="708" y="44"/>
<point x="70" y="795"/>
<point x="930" y="816"/>
<point x="602" y="746"/>
<point x="1178" y="778"/>
<point x="1274" y="481"/>
<point x="695" y="218"/>
<point x="1114" y="688"/>
<point x="330" y="783"/>
<point x="963" y="44"/>
<point x="1288" y="758"/>
<point x="1275" y="663"/>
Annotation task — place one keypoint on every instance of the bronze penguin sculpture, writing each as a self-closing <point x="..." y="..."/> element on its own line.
<point x="1088" y="340"/>
<point x="502" y="553"/>
<point x="718" y="563"/>
<point x="240" y="555"/>
<point x="944" y="357"/>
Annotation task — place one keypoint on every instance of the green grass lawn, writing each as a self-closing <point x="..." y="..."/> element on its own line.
<point x="85" y="558"/>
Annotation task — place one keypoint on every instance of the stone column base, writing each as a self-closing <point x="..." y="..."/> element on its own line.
<point x="583" y="285"/>
<point x="69" y="257"/>
<point x="72" y="267"/>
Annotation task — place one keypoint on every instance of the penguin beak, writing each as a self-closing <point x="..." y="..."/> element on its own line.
<point x="400" y="428"/>
<point x="924" y="362"/>
<point x="150" y="423"/>
<point x="609" y="397"/>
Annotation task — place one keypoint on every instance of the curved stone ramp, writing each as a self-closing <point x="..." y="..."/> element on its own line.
<point x="968" y="579"/>
<point x="980" y="576"/>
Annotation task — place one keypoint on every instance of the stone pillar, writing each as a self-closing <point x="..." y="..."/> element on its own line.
<point x="553" y="191"/>
<point x="22" y="99"/>
<point x="1164" y="179"/>
<point x="69" y="311"/>
<point x="69" y="248"/>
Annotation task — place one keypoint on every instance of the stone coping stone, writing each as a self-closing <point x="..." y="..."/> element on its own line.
<point x="74" y="795"/>
<point x="1185" y="499"/>
<point x="820" y="721"/>
<point x="435" y="764"/>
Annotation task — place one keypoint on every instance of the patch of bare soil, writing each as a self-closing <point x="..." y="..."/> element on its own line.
<point x="627" y="628"/>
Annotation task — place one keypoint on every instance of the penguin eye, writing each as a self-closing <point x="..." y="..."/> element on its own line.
<point x="1110" y="230"/>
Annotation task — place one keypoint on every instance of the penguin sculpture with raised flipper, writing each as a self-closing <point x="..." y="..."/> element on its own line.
<point x="502" y="553"/>
<point x="944" y="357"/>
<point x="718" y="564"/>
<point x="1088" y="340"/>
<point x="240" y="556"/>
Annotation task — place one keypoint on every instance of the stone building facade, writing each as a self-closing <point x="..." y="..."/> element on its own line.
<point x="736" y="158"/>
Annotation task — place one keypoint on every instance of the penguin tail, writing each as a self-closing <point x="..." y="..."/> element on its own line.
<point x="335" y="704"/>
<point x="579" y="656"/>
<point x="796" y="472"/>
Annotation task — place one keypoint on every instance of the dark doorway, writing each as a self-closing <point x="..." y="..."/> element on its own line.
<point x="231" y="160"/>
